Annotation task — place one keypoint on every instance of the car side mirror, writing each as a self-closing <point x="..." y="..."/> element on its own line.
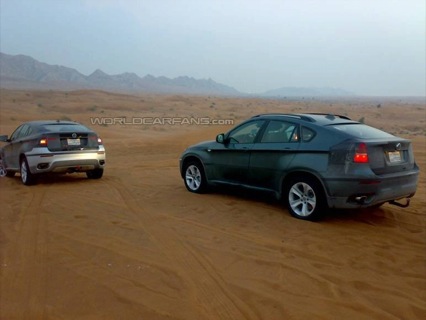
<point x="220" y="138"/>
<point x="4" y="138"/>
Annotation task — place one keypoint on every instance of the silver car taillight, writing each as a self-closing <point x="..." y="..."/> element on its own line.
<point x="42" y="142"/>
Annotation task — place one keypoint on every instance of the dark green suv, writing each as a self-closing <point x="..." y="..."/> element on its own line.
<point x="312" y="161"/>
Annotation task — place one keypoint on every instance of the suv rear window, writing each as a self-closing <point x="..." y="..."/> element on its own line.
<point x="359" y="130"/>
<point x="65" y="128"/>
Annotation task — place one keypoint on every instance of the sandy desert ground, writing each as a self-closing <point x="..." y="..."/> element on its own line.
<point x="137" y="245"/>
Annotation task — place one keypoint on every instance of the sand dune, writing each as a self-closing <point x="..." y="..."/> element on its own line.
<point x="137" y="245"/>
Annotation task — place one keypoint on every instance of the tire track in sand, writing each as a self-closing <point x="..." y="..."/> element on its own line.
<point x="209" y="290"/>
<point x="26" y="274"/>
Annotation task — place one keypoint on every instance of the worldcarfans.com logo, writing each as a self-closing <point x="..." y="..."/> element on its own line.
<point x="204" y="121"/>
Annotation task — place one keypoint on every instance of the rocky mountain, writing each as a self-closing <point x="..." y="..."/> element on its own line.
<point x="24" y="72"/>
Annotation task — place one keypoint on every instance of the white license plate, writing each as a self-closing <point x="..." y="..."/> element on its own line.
<point x="394" y="156"/>
<point x="73" y="142"/>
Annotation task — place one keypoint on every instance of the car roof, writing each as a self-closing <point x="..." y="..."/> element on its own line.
<point x="321" y="119"/>
<point x="47" y="122"/>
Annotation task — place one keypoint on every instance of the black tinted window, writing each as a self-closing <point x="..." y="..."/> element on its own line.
<point x="245" y="133"/>
<point x="65" y="128"/>
<point x="279" y="132"/>
<point x="362" y="131"/>
<point x="26" y="131"/>
<point x="21" y="132"/>
<point x="16" y="133"/>
<point x="307" y="134"/>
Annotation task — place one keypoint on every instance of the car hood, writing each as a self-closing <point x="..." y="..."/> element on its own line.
<point x="202" y="145"/>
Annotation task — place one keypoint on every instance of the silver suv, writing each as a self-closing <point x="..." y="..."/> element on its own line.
<point x="39" y="147"/>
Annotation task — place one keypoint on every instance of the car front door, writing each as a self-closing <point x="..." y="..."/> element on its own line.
<point x="231" y="159"/>
<point x="273" y="153"/>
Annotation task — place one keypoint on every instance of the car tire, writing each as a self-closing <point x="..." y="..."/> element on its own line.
<point x="305" y="198"/>
<point x="194" y="177"/>
<point x="27" y="177"/>
<point x="95" y="174"/>
<point x="4" y="172"/>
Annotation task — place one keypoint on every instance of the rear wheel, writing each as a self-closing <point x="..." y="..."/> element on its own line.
<point x="95" y="174"/>
<point x="305" y="198"/>
<point x="195" y="179"/>
<point x="27" y="177"/>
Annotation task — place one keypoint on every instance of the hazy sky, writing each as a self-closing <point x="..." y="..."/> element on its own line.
<point x="371" y="47"/>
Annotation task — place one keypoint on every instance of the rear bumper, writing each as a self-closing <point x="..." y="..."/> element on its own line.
<point x="365" y="193"/>
<point x="62" y="162"/>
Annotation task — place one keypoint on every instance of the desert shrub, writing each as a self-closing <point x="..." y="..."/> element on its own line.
<point x="92" y="108"/>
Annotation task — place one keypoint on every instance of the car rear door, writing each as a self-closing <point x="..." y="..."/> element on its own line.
<point x="273" y="153"/>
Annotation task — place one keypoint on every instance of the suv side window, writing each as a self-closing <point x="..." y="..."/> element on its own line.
<point x="307" y="134"/>
<point x="280" y="132"/>
<point x="26" y="131"/>
<point x="16" y="134"/>
<point x="246" y="133"/>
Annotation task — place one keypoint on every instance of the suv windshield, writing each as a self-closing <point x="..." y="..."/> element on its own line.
<point x="359" y="130"/>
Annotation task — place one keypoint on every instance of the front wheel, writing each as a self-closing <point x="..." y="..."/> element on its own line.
<point x="195" y="179"/>
<point x="27" y="177"/>
<point x="305" y="198"/>
<point x="4" y="172"/>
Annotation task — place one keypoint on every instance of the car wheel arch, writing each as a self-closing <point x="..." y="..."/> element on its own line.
<point x="22" y="156"/>
<point x="29" y="178"/>
<point x="193" y="173"/>
<point x="191" y="158"/>
<point x="301" y="173"/>
<point x="309" y="201"/>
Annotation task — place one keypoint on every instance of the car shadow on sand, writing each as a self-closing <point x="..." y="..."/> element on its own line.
<point x="47" y="179"/>
<point x="364" y="215"/>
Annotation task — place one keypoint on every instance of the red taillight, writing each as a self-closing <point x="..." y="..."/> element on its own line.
<point x="98" y="139"/>
<point x="361" y="155"/>
<point x="43" y="142"/>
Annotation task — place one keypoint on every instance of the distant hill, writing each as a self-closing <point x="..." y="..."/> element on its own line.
<point x="292" y="92"/>
<point x="24" y="72"/>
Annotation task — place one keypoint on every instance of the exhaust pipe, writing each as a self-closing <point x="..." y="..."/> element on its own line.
<point x="361" y="199"/>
